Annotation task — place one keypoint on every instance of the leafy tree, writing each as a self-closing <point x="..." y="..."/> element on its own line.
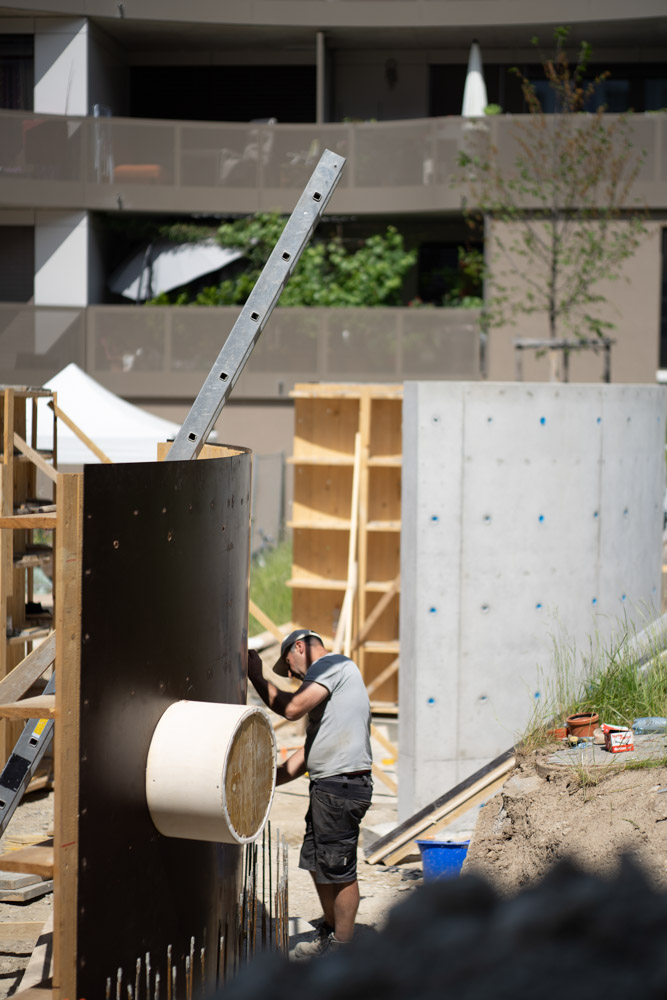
<point x="327" y="274"/>
<point x="566" y="203"/>
<point x="466" y="280"/>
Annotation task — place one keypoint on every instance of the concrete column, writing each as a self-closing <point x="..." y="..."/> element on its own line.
<point x="61" y="66"/>
<point x="530" y="512"/>
<point x="61" y="258"/>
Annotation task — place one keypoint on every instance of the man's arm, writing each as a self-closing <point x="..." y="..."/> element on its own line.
<point x="293" y="767"/>
<point x="291" y="705"/>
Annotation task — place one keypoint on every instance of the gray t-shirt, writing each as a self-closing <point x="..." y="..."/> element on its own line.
<point x="338" y="739"/>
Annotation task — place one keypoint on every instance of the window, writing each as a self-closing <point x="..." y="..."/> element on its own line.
<point x="17" y="71"/>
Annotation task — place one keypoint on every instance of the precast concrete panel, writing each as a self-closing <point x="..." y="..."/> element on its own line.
<point x="532" y="516"/>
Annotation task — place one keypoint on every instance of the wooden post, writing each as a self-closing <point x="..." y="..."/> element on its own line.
<point x="69" y="498"/>
<point x="343" y="639"/>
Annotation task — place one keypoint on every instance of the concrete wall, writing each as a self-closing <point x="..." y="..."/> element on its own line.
<point x="523" y="506"/>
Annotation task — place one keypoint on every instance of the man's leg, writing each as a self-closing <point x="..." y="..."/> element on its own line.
<point x="340" y="902"/>
<point x="324" y="891"/>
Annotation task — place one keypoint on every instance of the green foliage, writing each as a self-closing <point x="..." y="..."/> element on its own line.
<point x="165" y="299"/>
<point x="328" y="274"/>
<point x="269" y="573"/>
<point x="566" y="201"/>
<point x="465" y="281"/>
<point x="185" y="232"/>
<point x="618" y="679"/>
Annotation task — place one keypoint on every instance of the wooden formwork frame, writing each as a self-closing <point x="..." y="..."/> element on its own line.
<point x="324" y="439"/>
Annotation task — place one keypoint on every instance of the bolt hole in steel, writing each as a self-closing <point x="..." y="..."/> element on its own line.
<point x="254" y="316"/>
<point x="317" y="196"/>
<point x="192" y="437"/>
<point x="287" y="256"/>
<point x="224" y="376"/>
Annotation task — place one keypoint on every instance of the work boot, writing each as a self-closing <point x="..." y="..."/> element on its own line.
<point x="318" y="944"/>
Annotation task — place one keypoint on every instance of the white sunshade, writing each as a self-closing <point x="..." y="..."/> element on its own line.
<point x="163" y="266"/>
<point x="474" y="91"/>
<point x="124" y="432"/>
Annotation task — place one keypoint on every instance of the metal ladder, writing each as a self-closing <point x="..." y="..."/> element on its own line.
<point x="30" y="747"/>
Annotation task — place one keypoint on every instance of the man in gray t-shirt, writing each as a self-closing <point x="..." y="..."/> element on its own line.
<point x="337" y="756"/>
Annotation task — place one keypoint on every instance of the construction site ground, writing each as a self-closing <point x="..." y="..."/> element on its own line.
<point x="545" y="811"/>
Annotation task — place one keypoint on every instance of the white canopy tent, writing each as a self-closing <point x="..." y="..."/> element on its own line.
<point x="125" y="433"/>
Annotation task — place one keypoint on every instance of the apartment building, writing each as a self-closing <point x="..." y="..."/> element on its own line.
<point x="114" y="113"/>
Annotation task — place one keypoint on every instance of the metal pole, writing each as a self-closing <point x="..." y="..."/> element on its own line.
<point x="253" y="318"/>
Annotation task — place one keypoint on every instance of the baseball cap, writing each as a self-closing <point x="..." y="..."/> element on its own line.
<point x="280" y="666"/>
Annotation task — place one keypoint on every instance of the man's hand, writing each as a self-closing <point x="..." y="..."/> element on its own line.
<point x="254" y="666"/>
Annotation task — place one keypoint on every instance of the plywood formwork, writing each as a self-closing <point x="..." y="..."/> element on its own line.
<point x="151" y="577"/>
<point x="327" y="419"/>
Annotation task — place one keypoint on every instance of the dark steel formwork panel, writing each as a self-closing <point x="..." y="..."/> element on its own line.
<point x="164" y="618"/>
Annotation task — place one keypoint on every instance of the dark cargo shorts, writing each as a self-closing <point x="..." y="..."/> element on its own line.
<point x="337" y="807"/>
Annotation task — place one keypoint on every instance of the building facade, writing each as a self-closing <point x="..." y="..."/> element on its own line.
<point x="115" y="113"/>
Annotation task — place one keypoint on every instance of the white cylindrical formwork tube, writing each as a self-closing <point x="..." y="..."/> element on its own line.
<point x="211" y="772"/>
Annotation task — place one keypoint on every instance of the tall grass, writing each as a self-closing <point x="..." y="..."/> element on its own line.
<point x="621" y="679"/>
<point x="269" y="572"/>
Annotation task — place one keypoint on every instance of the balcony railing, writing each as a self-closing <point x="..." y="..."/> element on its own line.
<point x="166" y="352"/>
<point x="115" y="163"/>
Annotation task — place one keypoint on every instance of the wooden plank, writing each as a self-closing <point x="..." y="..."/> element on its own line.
<point x="481" y="796"/>
<point x="383" y="741"/>
<point x="29" y="635"/>
<point x="28" y="521"/>
<point x="89" y="443"/>
<point x="36" y="983"/>
<point x="264" y="620"/>
<point x="20" y="930"/>
<point x="384" y="708"/>
<point x="385" y="779"/>
<point x="30" y="669"/>
<point x="309" y="390"/>
<point x="27" y="893"/>
<point x="343" y="640"/>
<point x="33" y="860"/>
<point x="41" y="707"/>
<point x="405" y="833"/>
<point x="381" y="606"/>
<point x="66" y="740"/>
<point x="364" y="487"/>
<point x="41" y="991"/>
<point x="383" y="676"/>
<point x="35" y="457"/>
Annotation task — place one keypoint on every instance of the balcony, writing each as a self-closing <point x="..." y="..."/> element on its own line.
<point x="166" y="352"/>
<point x="52" y="161"/>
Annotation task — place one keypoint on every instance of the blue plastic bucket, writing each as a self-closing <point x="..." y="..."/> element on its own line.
<point x="442" y="858"/>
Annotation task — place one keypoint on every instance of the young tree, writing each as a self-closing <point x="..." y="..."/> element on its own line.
<point x="564" y="209"/>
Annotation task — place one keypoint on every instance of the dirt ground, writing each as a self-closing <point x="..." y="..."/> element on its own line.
<point x="543" y="813"/>
<point x="546" y="812"/>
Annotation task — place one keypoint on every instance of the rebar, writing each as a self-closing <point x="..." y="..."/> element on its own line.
<point x="137" y="978"/>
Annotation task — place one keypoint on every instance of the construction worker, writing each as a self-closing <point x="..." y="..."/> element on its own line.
<point x="337" y="757"/>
